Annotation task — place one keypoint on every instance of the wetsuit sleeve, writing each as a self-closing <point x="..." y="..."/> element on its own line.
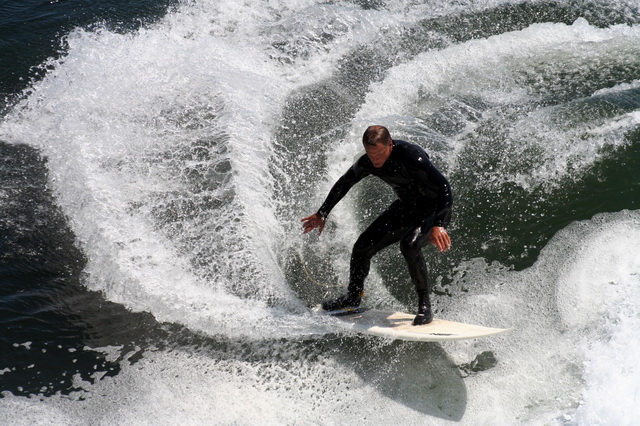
<point x="341" y="187"/>
<point x="437" y="184"/>
<point x="444" y="199"/>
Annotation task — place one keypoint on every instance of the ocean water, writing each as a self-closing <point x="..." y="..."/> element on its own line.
<point x="157" y="158"/>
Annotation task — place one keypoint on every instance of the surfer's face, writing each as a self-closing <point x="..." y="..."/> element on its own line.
<point x="379" y="153"/>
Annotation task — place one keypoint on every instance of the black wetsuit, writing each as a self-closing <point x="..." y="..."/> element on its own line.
<point x="424" y="200"/>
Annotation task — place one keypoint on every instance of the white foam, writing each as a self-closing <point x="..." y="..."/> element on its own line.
<point x="502" y="73"/>
<point x="558" y="366"/>
<point x="119" y="120"/>
<point x="181" y="387"/>
<point x="574" y="312"/>
<point x="599" y="295"/>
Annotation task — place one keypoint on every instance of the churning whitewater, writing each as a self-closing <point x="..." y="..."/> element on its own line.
<point x="183" y="155"/>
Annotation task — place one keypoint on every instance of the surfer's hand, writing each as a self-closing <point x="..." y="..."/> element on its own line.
<point x="312" y="222"/>
<point x="439" y="237"/>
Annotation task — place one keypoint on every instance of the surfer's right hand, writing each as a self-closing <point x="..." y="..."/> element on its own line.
<point x="312" y="222"/>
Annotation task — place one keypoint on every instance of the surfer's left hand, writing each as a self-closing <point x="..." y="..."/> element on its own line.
<point x="439" y="237"/>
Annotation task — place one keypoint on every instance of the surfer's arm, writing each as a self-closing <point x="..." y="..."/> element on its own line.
<point x="418" y="164"/>
<point x="444" y="199"/>
<point x="432" y="179"/>
<point x="439" y="185"/>
<point x="341" y="187"/>
<point x="438" y="235"/>
<point x="338" y="191"/>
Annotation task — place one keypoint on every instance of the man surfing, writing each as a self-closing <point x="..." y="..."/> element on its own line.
<point x="421" y="213"/>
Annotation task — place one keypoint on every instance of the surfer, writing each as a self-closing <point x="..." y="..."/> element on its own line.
<point x="420" y="214"/>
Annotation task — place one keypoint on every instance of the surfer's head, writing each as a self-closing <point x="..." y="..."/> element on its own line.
<point x="376" y="135"/>
<point x="378" y="144"/>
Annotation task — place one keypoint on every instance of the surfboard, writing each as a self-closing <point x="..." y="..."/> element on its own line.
<point x="398" y="325"/>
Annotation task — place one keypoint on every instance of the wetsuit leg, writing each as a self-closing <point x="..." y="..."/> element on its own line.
<point x="386" y="229"/>
<point x="411" y="248"/>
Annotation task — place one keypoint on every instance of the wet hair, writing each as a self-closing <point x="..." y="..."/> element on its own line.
<point x="376" y="135"/>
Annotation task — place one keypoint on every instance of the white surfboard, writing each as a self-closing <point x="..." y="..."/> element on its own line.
<point x="398" y="325"/>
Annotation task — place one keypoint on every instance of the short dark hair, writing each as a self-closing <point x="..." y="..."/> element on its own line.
<point x="376" y="135"/>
